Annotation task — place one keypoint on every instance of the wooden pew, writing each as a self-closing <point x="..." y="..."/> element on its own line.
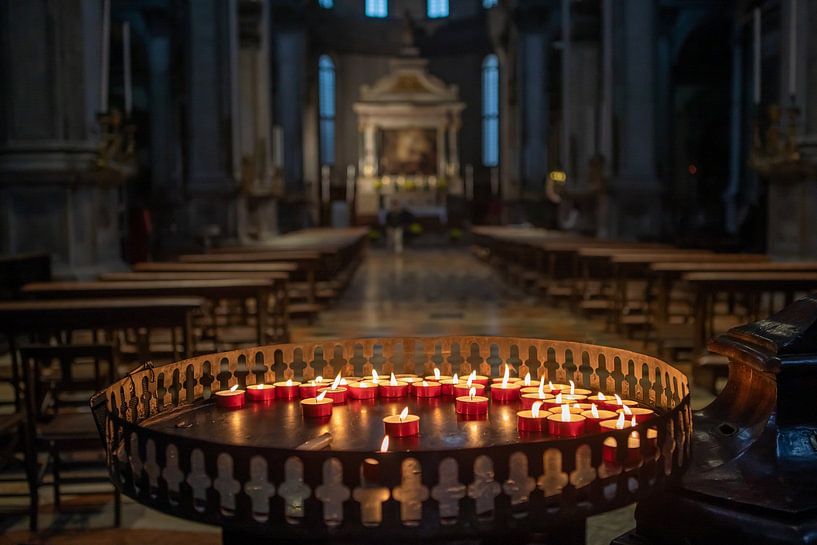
<point x="16" y="270"/>
<point x="214" y="290"/>
<point x="33" y="319"/>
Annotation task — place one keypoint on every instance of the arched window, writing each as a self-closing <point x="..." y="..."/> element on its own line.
<point x="488" y="4"/>
<point x="490" y="111"/>
<point x="437" y="9"/>
<point x="377" y="8"/>
<point x="326" y="108"/>
<point x="326" y="4"/>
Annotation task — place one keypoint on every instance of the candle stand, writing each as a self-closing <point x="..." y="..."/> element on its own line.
<point x="172" y="449"/>
<point x="753" y="472"/>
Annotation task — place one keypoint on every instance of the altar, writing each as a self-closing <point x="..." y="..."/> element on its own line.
<point x="409" y="122"/>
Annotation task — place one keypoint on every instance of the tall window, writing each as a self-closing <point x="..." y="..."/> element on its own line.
<point x="437" y="9"/>
<point x="326" y="108"/>
<point x="326" y="4"/>
<point x="490" y="111"/>
<point x="377" y="8"/>
<point x="488" y="4"/>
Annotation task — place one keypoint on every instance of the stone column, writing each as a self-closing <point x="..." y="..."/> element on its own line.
<point x="534" y="49"/>
<point x="212" y="139"/>
<point x="636" y="190"/>
<point x="53" y="198"/>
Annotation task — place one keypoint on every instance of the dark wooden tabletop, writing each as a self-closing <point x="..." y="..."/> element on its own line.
<point x="145" y="276"/>
<point x="251" y="257"/>
<point x="751" y="266"/>
<point x="214" y="288"/>
<point x="172" y="266"/>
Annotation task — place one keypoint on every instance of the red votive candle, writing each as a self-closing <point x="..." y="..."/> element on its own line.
<point x="557" y="388"/>
<point x="288" y="389"/>
<point x="595" y="418"/>
<point x="615" y="403"/>
<point x="570" y="408"/>
<point x="472" y="404"/>
<point x="317" y="407"/>
<point x="411" y="381"/>
<point x="533" y="420"/>
<point x="633" y="456"/>
<point x="463" y="389"/>
<point x="362" y="390"/>
<point x="437" y="377"/>
<point x="393" y="388"/>
<point x="504" y="392"/>
<point x="260" y="392"/>
<point x="230" y="399"/>
<point x="427" y="388"/>
<point x="310" y="389"/>
<point x="478" y="379"/>
<point x="337" y="395"/>
<point x="640" y="414"/>
<point x="404" y="376"/>
<point x="529" y="399"/>
<point x="447" y="386"/>
<point x="402" y="425"/>
<point x="566" y="424"/>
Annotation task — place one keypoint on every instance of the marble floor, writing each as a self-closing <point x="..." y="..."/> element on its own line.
<point x="421" y="292"/>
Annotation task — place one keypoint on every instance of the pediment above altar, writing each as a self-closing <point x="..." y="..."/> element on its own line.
<point x="409" y="81"/>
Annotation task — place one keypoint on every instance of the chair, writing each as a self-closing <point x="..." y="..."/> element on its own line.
<point x="58" y="420"/>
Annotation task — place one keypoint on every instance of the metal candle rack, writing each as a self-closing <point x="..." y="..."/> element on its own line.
<point x="171" y="449"/>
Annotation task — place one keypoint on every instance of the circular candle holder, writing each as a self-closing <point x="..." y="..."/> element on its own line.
<point x="462" y="389"/>
<point x="641" y="414"/>
<point x="505" y="393"/>
<point x="397" y="426"/>
<point x="310" y="389"/>
<point x="427" y="388"/>
<point x="362" y="390"/>
<point x="337" y="395"/>
<point x="317" y="408"/>
<point x="572" y="426"/>
<point x="529" y="399"/>
<point x="393" y="391"/>
<point x="593" y="420"/>
<point x="288" y="390"/>
<point x="230" y="399"/>
<point x="170" y="447"/>
<point x="263" y="393"/>
<point x="471" y="405"/>
<point x="447" y="386"/>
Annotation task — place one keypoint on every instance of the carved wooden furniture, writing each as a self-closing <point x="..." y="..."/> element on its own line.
<point x="171" y="449"/>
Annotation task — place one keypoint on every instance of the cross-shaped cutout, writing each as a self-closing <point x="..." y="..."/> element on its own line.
<point x="332" y="492"/>
<point x="259" y="489"/>
<point x="293" y="489"/>
<point x="584" y="473"/>
<point x="172" y="474"/>
<point x="198" y="479"/>
<point x="554" y="479"/>
<point x="411" y="493"/>
<point x="448" y="491"/>
<point x="519" y="484"/>
<point x="226" y="485"/>
<point x="484" y="488"/>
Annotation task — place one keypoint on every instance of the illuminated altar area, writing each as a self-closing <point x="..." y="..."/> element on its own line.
<point x="409" y="122"/>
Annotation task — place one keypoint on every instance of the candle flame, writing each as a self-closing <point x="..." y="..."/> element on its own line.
<point x="577" y="406"/>
<point x="321" y="396"/>
<point x="403" y="414"/>
<point x="472" y="376"/>
<point x="234" y="388"/>
<point x="620" y="421"/>
<point x="392" y="380"/>
<point x="472" y="392"/>
<point x="375" y="378"/>
<point x="425" y="383"/>
<point x="594" y="410"/>
<point x="289" y="382"/>
<point x="469" y="382"/>
<point x="633" y="422"/>
<point x="550" y="385"/>
<point x="363" y="384"/>
<point x="455" y="379"/>
<point x="626" y="410"/>
<point x="527" y="379"/>
<point x="559" y="398"/>
<point x="384" y="446"/>
<point x="343" y="382"/>
<point x="565" y="413"/>
<point x="572" y="388"/>
<point x="436" y="373"/>
<point x="336" y="383"/>
<point x="542" y="389"/>
<point x="601" y="397"/>
<point x="506" y="376"/>
<point x="317" y="380"/>
<point x="534" y="409"/>
<point x="618" y="400"/>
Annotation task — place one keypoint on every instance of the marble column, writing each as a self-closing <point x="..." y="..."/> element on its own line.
<point x="635" y="190"/>
<point x="212" y="162"/>
<point x="290" y="64"/>
<point x="53" y="198"/>
<point x="534" y="49"/>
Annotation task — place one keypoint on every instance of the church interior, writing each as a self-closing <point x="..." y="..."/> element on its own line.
<point x="462" y="271"/>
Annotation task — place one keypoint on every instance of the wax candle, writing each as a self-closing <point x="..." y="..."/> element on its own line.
<point x="471" y="404"/>
<point x="310" y="389"/>
<point x="639" y="414"/>
<point x="335" y="392"/>
<point x="402" y="425"/>
<point x="529" y="399"/>
<point x="617" y="403"/>
<point x="393" y="389"/>
<point x="574" y="398"/>
<point x="437" y="377"/>
<point x="374" y="378"/>
<point x="571" y="409"/>
<point x="447" y="385"/>
<point x="595" y="417"/>
<point x="427" y="388"/>
<point x="260" y="392"/>
<point x="479" y="379"/>
<point x="558" y="388"/>
<point x="362" y="390"/>
<point x="505" y="391"/>
<point x="565" y="424"/>
<point x="533" y="420"/>
<point x="411" y="381"/>
<point x="633" y="456"/>
<point x="539" y="391"/>
<point x="404" y="376"/>
<point x="230" y="399"/>
<point x="578" y="391"/>
<point x="317" y="407"/>
<point x="553" y="401"/>
<point x="287" y="389"/>
<point x="465" y="389"/>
